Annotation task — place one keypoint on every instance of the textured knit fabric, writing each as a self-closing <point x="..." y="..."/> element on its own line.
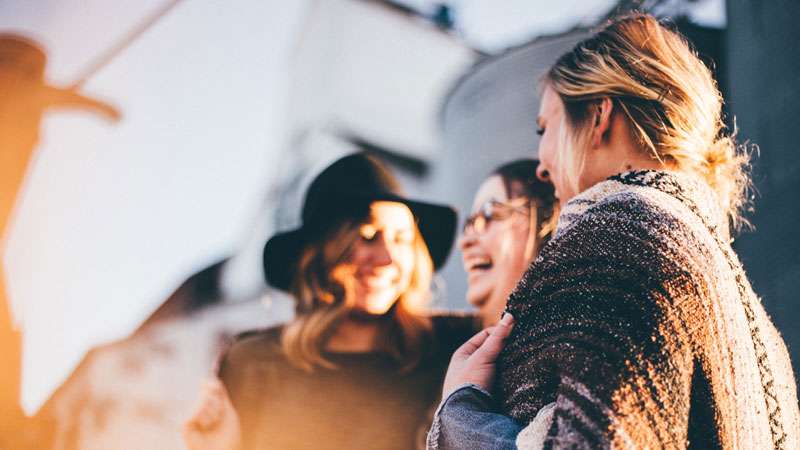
<point x="367" y="403"/>
<point x="639" y="323"/>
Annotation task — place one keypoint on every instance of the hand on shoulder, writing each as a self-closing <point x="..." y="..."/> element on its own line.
<point x="473" y="362"/>
<point x="214" y="425"/>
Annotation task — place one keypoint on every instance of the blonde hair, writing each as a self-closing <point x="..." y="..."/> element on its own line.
<point x="324" y="296"/>
<point x="668" y="96"/>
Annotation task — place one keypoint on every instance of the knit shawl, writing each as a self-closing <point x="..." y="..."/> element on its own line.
<point x="638" y="323"/>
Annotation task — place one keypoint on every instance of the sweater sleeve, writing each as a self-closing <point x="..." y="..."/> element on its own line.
<point x="467" y="419"/>
<point x="600" y="333"/>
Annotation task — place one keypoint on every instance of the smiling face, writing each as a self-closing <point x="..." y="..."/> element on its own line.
<point x="382" y="258"/>
<point x="495" y="257"/>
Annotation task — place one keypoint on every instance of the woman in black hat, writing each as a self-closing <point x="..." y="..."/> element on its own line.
<point x="362" y="362"/>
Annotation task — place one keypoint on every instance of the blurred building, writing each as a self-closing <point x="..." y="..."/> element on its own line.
<point x="487" y="119"/>
<point x="761" y="43"/>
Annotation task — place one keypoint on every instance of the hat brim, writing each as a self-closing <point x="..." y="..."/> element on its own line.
<point x="436" y="223"/>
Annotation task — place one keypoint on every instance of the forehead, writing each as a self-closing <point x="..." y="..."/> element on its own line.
<point x="390" y="214"/>
<point x="491" y="189"/>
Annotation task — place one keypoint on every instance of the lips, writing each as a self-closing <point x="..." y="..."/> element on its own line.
<point x="478" y="264"/>
<point x="479" y="279"/>
<point x="377" y="280"/>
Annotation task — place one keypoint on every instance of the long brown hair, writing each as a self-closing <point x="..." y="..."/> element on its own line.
<point x="668" y="96"/>
<point x="325" y="298"/>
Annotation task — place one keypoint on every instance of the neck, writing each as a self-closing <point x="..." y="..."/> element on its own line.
<point x="354" y="336"/>
<point x="638" y="162"/>
<point x="617" y="152"/>
<point x="614" y="160"/>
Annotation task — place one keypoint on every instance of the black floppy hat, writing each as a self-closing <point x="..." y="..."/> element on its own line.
<point x="344" y="190"/>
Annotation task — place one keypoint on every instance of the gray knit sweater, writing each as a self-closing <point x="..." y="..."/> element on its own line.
<point x="638" y="323"/>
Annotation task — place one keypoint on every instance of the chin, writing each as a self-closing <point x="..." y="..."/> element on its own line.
<point x="476" y="300"/>
<point x="375" y="311"/>
<point x="378" y="306"/>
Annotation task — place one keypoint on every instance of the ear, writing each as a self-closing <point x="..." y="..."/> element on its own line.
<point x="602" y="121"/>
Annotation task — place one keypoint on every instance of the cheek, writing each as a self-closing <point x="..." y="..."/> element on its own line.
<point x="546" y="150"/>
<point x="404" y="259"/>
<point x="491" y="239"/>
<point x="509" y="245"/>
<point x="499" y="241"/>
<point x="357" y="255"/>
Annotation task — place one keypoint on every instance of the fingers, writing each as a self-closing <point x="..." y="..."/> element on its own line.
<point x="493" y="343"/>
<point x="469" y="347"/>
<point x="211" y="406"/>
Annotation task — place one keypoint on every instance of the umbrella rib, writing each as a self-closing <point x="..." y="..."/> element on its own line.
<point x="111" y="52"/>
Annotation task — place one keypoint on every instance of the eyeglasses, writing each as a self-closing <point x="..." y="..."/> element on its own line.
<point x="494" y="210"/>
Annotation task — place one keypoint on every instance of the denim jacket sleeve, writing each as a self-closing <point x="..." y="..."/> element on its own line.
<point x="467" y="418"/>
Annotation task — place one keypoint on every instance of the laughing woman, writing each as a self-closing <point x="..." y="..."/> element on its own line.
<point x="513" y="216"/>
<point x="362" y="362"/>
<point x="637" y="326"/>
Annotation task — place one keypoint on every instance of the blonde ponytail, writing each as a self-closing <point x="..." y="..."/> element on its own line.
<point x="669" y="97"/>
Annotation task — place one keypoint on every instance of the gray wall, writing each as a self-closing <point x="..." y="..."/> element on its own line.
<point x="763" y="53"/>
<point x="489" y="118"/>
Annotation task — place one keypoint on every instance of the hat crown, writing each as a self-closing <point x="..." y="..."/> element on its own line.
<point x="357" y="175"/>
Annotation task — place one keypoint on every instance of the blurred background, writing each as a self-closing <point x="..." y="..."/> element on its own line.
<point x="134" y="250"/>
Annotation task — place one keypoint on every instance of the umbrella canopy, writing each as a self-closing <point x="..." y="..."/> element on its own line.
<point x="113" y="218"/>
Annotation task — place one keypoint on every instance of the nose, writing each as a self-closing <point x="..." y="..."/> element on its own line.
<point x="381" y="255"/>
<point x="542" y="173"/>
<point x="467" y="239"/>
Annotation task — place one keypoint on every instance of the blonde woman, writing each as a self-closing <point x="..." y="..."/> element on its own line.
<point x="636" y="327"/>
<point x="362" y="362"/>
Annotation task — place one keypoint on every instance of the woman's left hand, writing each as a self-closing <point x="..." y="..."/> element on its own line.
<point x="214" y="424"/>
<point x="473" y="362"/>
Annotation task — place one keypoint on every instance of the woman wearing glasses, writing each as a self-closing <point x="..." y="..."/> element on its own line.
<point x="512" y="217"/>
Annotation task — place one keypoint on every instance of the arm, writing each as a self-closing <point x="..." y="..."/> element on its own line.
<point x="468" y="416"/>
<point x="601" y="333"/>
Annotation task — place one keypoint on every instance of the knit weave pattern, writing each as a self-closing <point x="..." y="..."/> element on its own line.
<point x="638" y="322"/>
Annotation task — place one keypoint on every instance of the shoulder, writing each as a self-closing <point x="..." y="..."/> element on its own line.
<point x="620" y="250"/>
<point x="255" y="345"/>
<point x="454" y="323"/>
<point x="630" y="223"/>
<point x="630" y="208"/>
<point x="452" y="329"/>
<point x="658" y="206"/>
